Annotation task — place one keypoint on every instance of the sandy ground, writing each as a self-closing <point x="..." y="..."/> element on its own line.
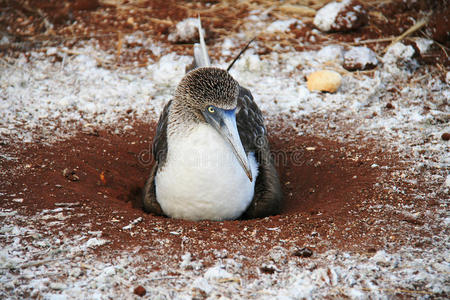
<point x="365" y="170"/>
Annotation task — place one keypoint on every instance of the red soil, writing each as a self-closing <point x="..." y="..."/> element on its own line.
<point x="329" y="189"/>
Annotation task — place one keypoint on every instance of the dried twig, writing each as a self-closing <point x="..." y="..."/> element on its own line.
<point x="297" y="10"/>
<point x="165" y="22"/>
<point x="119" y="44"/>
<point x="371" y="41"/>
<point x="232" y="279"/>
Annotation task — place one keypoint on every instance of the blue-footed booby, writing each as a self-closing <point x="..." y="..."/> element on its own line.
<point x="211" y="150"/>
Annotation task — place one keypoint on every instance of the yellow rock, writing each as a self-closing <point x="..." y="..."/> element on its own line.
<point x="324" y="80"/>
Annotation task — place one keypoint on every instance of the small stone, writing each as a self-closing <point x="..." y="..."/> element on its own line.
<point x="140" y="291"/>
<point x="324" y="80"/>
<point x="360" y="58"/>
<point x="340" y="16"/>
<point x="423" y="45"/>
<point x="267" y="269"/>
<point x="88" y="130"/>
<point x="70" y="174"/>
<point x="389" y="105"/>
<point x="303" y="252"/>
<point x="445" y="136"/>
<point x="398" y="53"/>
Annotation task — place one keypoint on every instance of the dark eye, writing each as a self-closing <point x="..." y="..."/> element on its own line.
<point x="211" y="109"/>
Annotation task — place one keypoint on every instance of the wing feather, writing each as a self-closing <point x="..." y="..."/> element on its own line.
<point x="250" y="123"/>
<point x="159" y="151"/>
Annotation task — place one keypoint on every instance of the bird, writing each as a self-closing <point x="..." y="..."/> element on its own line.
<point x="211" y="151"/>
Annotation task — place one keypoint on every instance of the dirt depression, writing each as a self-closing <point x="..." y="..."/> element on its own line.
<point x="330" y="190"/>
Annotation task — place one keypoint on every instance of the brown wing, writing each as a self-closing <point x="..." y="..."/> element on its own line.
<point x="159" y="151"/>
<point x="268" y="195"/>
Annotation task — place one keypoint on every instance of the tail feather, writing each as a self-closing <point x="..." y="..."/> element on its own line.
<point x="201" y="57"/>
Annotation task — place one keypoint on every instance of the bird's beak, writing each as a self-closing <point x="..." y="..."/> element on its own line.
<point x="224" y="121"/>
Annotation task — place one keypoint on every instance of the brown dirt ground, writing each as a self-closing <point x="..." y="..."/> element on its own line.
<point x="326" y="206"/>
<point x="328" y="194"/>
<point x="32" y="24"/>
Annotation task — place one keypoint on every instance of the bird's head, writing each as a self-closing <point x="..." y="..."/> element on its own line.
<point x="210" y="96"/>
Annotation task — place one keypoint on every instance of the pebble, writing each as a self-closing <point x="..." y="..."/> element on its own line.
<point x="360" y="58"/>
<point x="445" y="136"/>
<point x="70" y="175"/>
<point x="267" y="269"/>
<point x="303" y="252"/>
<point x="389" y="105"/>
<point x="140" y="291"/>
<point x="324" y="80"/>
<point x="340" y="16"/>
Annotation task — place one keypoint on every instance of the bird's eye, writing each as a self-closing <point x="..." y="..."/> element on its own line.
<point x="211" y="109"/>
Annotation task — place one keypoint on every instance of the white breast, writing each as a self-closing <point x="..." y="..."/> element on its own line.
<point x="202" y="178"/>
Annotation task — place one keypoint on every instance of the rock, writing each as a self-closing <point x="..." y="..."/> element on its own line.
<point x="360" y="58"/>
<point x="140" y="291"/>
<point x="389" y="105"/>
<point x="427" y="52"/>
<point x="267" y="269"/>
<point x="445" y="136"/>
<point x="331" y="53"/>
<point x="398" y="53"/>
<point x="423" y="45"/>
<point x="70" y="175"/>
<point x="303" y="252"/>
<point x="324" y="80"/>
<point x="340" y="16"/>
